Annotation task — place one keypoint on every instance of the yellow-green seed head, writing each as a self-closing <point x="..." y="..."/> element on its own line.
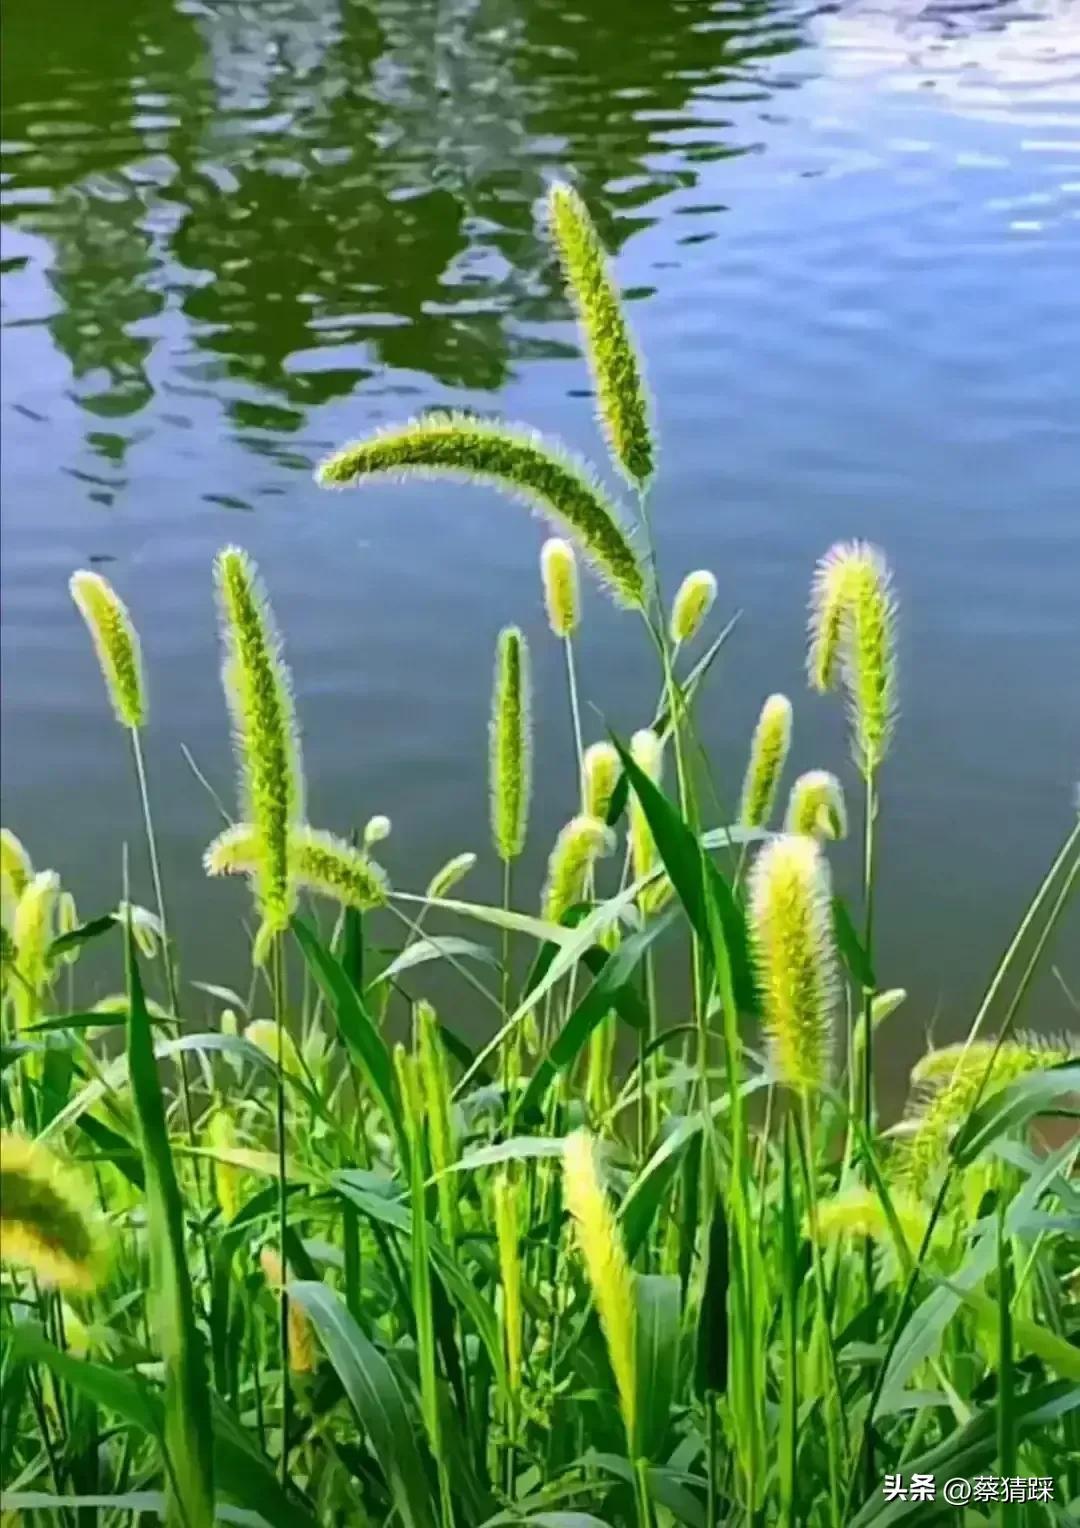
<point x="446" y="878"/>
<point x="301" y="1339"/>
<point x="266" y="1035"/>
<point x="507" y="1235"/>
<point x="227" y="1176"/>
<point x="376" y="829"/>
<point x="694" y="599"/>
<point x="600" y="1243"/>
<point x="558" y="572"/>
<point x="621" y="394"/>
<point x="116" y="644"/>
<point x="792" y="943"/>
<point x="647" y="752"/>
<point x="510" y="744"/>
<point x="331" y="867"/>
<point x="579" y="844"/>
<point x="601" y="770"/>
<point x="16" y="870"/>
<point x="816" y="806"/>
<point x="857" y="1213"/>
<point x="48" y="1221"/>
<point x="514" y="460"/>
<point x="235" y="851"/>
<point x="853" y="631"/>
<point x="32" y="931"/>
<point x="259" y="693"/>
<point x="768" y="755"/>
<point x="442" y="1140"/>
<point x="67" y="921"/>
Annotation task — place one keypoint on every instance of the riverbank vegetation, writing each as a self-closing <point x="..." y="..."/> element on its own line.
<point x="627" y="1259"/>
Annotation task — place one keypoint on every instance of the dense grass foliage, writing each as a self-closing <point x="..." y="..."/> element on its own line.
<point x="316" y="1255"/>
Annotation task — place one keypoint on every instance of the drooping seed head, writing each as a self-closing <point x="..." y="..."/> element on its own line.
<point x="579" y="844"/>
<point x="331" y="867"/>
<point x="830" y="599"/>
<point x="235" y="851"/>
<point x="694" y="599"/>
<point x="792" y="943"/>
<point x="514" y="460"/>
<point x="116" y="644"/>
<point x="446" y="878"/>
<point x="510" y="744"/>
<point x="67" y="921"/>
<point x="857" y="1213"/>
<point x="558" y="571"/>
<point x="647" y="752"/>
<point x="507" y="1235"/>
<point x="48" y="1221"/>
<point x="621" y="394"/>
<point x="600" y="1243"/>
<point x="600" y="771"/>
<point x="376" y="829"/>
<point x="816" y="806"/>
<point x="768" y="755"/>
<point x="259" y="694"/>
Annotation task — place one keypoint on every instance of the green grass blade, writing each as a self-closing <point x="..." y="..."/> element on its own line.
<point x="376" y="1398"/>
<point x="657" y="1358"/>
<point x="190" y="1488"/>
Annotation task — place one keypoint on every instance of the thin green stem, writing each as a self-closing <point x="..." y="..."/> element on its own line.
<point x="278" y="983"/>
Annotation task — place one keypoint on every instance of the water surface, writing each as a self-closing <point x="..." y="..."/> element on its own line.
<point x="237" y="234"/>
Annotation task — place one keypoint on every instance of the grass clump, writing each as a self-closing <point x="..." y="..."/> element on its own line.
<point x="585" y="1244"/>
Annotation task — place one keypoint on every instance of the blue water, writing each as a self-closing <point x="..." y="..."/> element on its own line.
<point x="235" y="235"/>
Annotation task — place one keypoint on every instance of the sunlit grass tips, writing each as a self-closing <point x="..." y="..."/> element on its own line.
<point x="816" y="806"/>
<point x="853" y="633"/>
<point x="693" y="600"/>
<point x="577" y="848"/>
<point x="558" y="573"/>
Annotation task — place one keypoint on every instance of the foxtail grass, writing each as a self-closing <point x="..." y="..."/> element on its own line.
<point x="768" y="755"/>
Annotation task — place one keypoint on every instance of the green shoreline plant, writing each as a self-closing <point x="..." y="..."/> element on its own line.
<point x="574" y="1246"/>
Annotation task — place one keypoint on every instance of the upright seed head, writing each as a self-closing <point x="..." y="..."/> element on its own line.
<point x="576" y="850"/>
<point x="259" y="694"/>
<point x="647" y="752"/>
<point x="511" y="744"/>
<point x="271" y="1039"/>
<point x="853" y="629"/>
<point x="446" y="878"/>
<point x="227" y="1175"/>
<point x="116" y="644"/>
<point x="620" y="388"/>
<point x="435" y="1086"/>
<point x="792" y="942"/>
<point x="518" y="463"/>
<point x="601" y="1246"/>
<point x="301" y="1339"/>
<point x="67" y="921"/>
<point x="600" y="775"/>
<point x="48" y="1222"/>
<point x="694" y="599"/>
<point x="507" y="1235"/>
<point x="15" y="868"/>
<point x="816" y="806"/>
<point x="558" y="571"/>
<point x="32" y="933"/>
<point x="768" y="755"/>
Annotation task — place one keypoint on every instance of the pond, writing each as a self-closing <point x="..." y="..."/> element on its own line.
<point x="236" y="235"/>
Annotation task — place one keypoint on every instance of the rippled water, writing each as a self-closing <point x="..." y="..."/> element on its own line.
<point x="236" y="234"/>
